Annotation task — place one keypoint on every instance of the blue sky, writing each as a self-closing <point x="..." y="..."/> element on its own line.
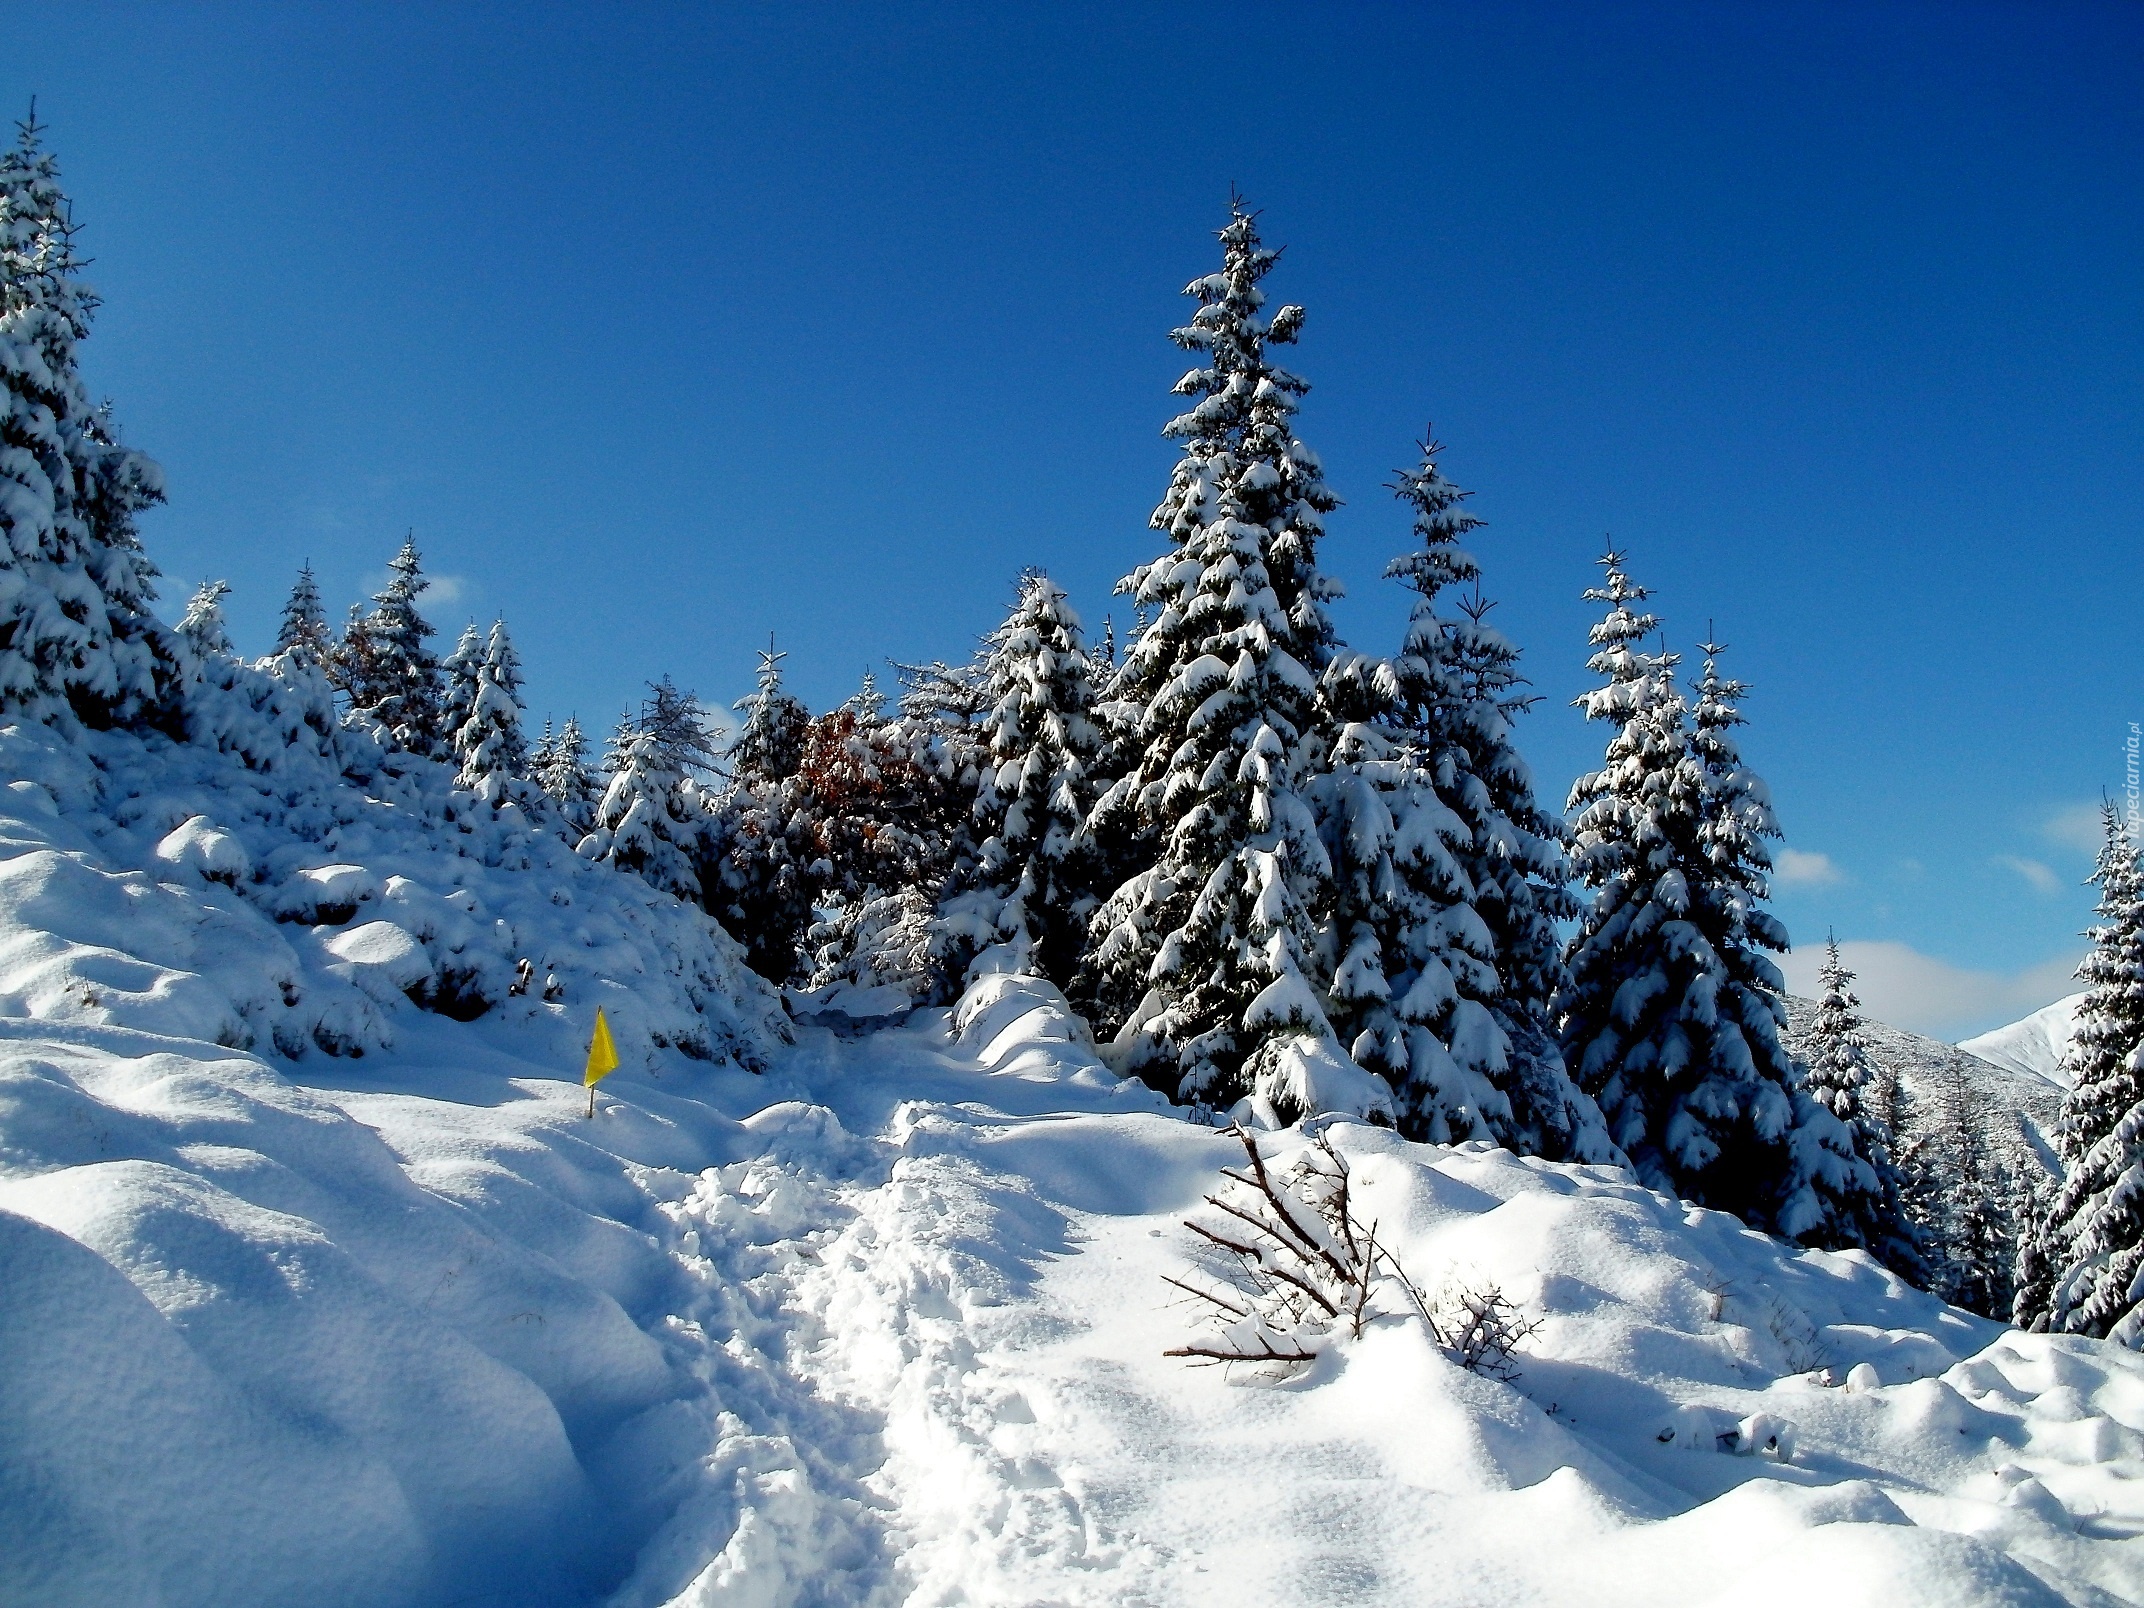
<point x="665" y="327"/>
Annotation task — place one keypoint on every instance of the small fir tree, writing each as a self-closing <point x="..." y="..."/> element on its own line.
<point x="1841" y="1080"/>
<point x="458" y="673"/>
<point x="304" y="627"/>
<point x="563" y="773"/>
<point x="769" y="745"/>
<point x="77" y="636"/>
<point x="1033" y="872"/>
<point x="644" y="822"/>
<point x="493" y="754"/>
<point x="393" y="677"/>
<point x="761" y="879"/>
<point x="202" y="625"/>
<point x="2091" y="1245"/>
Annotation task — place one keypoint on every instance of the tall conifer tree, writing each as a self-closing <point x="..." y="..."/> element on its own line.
<point x="2086" y="1275"/>
<point x="488" y="744"/>
<point x="1204" y="954"/>
<point x="644" y="822"/>
<point x="458" y="673"/>
<point x="769" y="745"/>
<point x="76" y="632"/>
<point x="1447" y="958"/>
<point x="391" y="675"/>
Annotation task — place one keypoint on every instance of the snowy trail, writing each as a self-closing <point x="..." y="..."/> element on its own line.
<point x="998" y="1296"/>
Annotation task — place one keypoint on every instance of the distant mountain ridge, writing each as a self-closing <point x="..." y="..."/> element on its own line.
<point x="2034" y="1045"/>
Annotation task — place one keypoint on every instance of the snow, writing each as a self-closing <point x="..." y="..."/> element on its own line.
<point x="872" y="1316"/>
<point x="2034" y="1045"/>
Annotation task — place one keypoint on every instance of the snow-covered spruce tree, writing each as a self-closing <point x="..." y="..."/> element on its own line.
<point x="1988" y="1201"/>
<point x="304" y="627"/>
<point x="202" y="625"/>
<point x="492" y="753"/>
<point x="392" y="678"/>
<point x="2092" y="1241"/>
<point x="1671" y="1018"/>
<point x="1964" y="1174"/>
<point x="762" y="880"/>
<point x="457" y="685"/>
<point x="76" y="632"/>
<point x="1033" y="873"/>
<point x="1449" y="875"/>
<point x="1517" y="861"/>
<point x="646" y="821"/>
<point x="769" y="745"/>
<point x="1826" y="1201"/>
<point x="1202" y="962"/>
<point x="1841" y="1080"/>
<point x="562" y="772"/>
<point x="678" y="722"/>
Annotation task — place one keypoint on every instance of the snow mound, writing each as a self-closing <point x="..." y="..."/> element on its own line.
<point x="2035" y="1044"/>
<point x="255" y="1352"/>
<point x="170" y="888"/>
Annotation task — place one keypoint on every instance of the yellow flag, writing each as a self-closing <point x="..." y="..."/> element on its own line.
<point x="602" y="1054"/>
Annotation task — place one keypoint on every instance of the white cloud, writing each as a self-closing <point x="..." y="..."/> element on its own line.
<point x="1798" y="869"/>
<point x="2042" y="878"/>
<point x="1900" y="985"/>
<point x="2075" y="826"/>
<point x="437" y="588"/>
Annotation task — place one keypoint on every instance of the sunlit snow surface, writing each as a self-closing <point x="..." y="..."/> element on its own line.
<point x="2036" y="1044"/>
<point x="881" y="1323"/>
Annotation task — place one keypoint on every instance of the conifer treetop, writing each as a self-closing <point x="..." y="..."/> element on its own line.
<point x="769" y="744"/>
<point x="1617" y="655"/>
<point x="202" y="624"/>
<point x="304" y="626"/>
<point x="1441" y="524"/>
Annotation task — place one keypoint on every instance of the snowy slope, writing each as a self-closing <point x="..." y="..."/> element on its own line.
<point x="2021" y="1100"/>
<point x="2034" y="1045"/>
<point x="880" y="1322"/>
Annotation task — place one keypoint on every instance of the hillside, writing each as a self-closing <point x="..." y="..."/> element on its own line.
<point x="2028" y="1104"/>
<point x="847" y="1320"/>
